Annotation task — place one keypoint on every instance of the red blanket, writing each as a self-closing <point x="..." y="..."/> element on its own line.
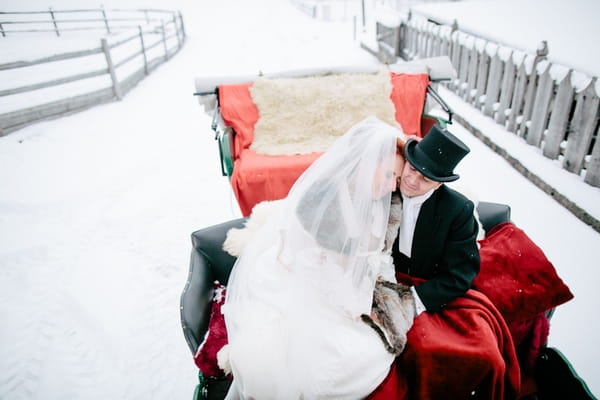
<point x="464" y="351"/>
<point x="482" y="341"/>
<point x="516" y="275"/>
<point x="522" y="283"/>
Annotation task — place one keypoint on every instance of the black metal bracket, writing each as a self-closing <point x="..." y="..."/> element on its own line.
<point x="436" y="96"/>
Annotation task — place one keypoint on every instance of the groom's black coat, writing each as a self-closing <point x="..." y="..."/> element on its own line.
<point x="444" y="248"/>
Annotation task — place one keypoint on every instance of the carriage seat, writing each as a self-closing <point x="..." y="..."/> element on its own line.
<point x="210" y="263"/>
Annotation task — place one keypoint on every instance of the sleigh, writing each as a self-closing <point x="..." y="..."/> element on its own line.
<point x="256" y="177"/>
<point x="551" y="377"/>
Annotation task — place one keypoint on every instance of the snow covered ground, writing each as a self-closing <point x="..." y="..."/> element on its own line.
<point x="96" y="210"/>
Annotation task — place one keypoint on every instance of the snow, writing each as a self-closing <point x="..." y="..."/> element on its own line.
<point x="97" y="208"/>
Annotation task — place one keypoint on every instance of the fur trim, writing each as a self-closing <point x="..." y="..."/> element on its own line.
<point x="369" y="321"/>
<point x="395" y="310"/>
<point x="238" y="238"/>
<point x="223" y="359"/>
<point x="393" y="223"/>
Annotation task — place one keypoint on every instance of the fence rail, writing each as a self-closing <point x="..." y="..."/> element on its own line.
<point x="48" y="21"/>
<point x="124" y="57"/>
<point x="551" y="106"/>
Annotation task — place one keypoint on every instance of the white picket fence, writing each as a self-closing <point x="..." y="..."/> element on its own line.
<point x="130" y="45"/>
<point x="551" y="106"/>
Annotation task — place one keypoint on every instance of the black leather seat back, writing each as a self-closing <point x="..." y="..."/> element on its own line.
<point x="208" y="263"/>
<point x="492" y="214"/>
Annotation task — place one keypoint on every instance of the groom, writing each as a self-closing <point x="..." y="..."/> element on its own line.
<point x="460" y="347"/>
<point x="437" y="236"/>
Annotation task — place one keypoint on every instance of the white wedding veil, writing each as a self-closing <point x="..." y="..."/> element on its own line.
<point x="317" y="255"/>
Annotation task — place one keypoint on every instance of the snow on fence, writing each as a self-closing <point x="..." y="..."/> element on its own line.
<point x="129" y="45"/>
<point x="550" y="106"/>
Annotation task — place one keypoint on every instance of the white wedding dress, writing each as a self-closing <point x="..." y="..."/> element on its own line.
<point x="298" y="289"/>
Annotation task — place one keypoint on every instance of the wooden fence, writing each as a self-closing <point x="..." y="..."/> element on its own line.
<point x="131" y="44"/>
<point x="550" y="106"/>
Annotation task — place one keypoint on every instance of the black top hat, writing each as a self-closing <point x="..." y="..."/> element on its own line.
<point x="436" y="155"/>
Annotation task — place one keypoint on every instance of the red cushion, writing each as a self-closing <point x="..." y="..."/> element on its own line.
<point x="258" y="177"/>
<point x="239" y="111"/>
<point x="215" y="338"/>
<point x="516" y="275"/>
<point x="408" y="95"/>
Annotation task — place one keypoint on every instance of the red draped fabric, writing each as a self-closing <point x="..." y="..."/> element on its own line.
<point x="483" y="345"/>
<point x="464" y="351"/>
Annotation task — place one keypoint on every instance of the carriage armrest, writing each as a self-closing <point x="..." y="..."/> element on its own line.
<point x="492" y="214"/>
<point x="208" y="263"/>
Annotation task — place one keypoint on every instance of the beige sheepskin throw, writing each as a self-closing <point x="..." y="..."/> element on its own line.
<point x="304" y="115"/>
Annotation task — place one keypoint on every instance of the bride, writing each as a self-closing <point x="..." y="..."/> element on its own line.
<point x="298" y="289"/>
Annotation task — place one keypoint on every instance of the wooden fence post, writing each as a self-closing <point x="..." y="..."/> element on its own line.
<point x="53" y="21"/>
<point x="559" y="118"/>
<point x="422" y="44"/>
<point x="141" y="33"/>
<point x="111" y="70"/>
<point x="541" y="107"/>
<point x="469" y="95"/>
<point x="105" y="19"/>
<point x="463" y="66"/>
<point x="183" y="34"/>
<point x="164" y="39"/>
<point x="517" y="101"/>
<point x="445" y="44"/>
<point x="492" y="92"/>
<point x="176" y="31"/>
<point x="404" y="40"/>
<point x="592" y="174"/>
<point x="506" y="91"/>
<point x="454" y="56"/>
<point x="436" y="41"/>
<point x="414" y="39"/>
<point x="428" y="42"/>
<point x="583" y="124"/>
<point x="482" y="77"/>
<point x="530" y="88"/>
<point x="540" y="54"/>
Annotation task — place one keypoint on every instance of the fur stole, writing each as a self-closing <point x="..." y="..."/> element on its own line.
<point x="393" y="223"/>
<point x="393" y="313"/>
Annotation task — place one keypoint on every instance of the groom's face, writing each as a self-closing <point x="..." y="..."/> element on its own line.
<point x="413" y="183"/>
